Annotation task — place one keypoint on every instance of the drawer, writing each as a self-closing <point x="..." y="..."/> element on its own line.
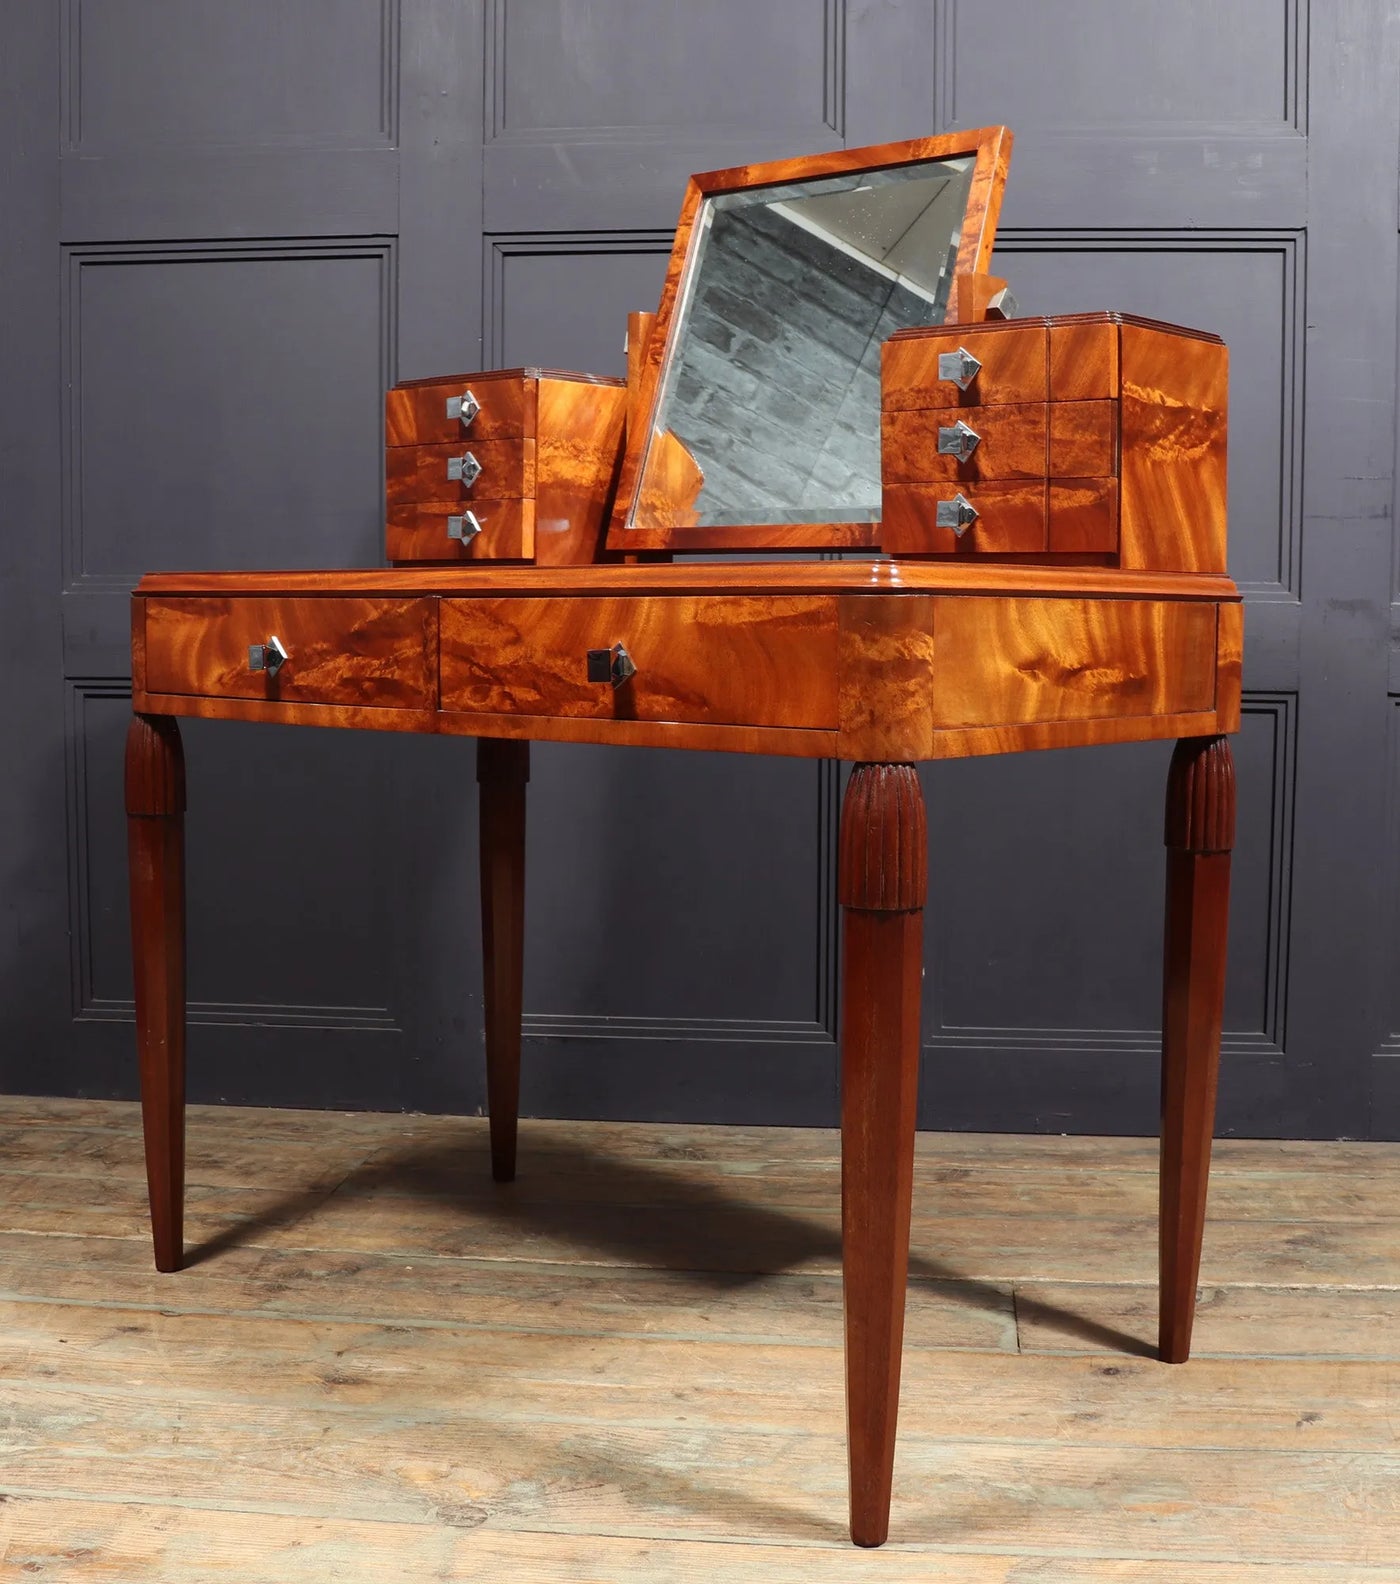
<point x="1013" y="359"/>
<point x="1082" y="516"/>
<point x="423" y="473"/>
<point x="339" y="651"/>
<point x="1010" y="443"/>
<point x="723" y="659"/>
<point x="1010" y="519"/>
<point x="1083" y="439"/>
<point x="418" y="532"/>
<point x="416" y="413"/>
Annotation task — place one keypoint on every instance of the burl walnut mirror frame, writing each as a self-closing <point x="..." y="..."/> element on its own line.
<point x="986" y="153"/>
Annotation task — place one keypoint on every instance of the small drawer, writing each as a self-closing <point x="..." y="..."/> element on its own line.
<point x="339" y="651"/>
<point x="1083" y="439"/>
<point x="1082" y="516"/>
<point x="1006" y="443"/>
<point x="1010" y="519"/>
<point x="1012" y="367"/>
<point x="724" y="659"/>
<point x="497" y="470"/>
<point x="423" y="531"/>
<point x="417" y="413"/>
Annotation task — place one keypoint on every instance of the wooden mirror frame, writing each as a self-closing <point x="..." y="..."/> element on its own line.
<point x="991" y="147"/>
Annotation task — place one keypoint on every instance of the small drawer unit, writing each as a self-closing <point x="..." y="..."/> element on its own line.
<point x="512" y="465"/>
<point x="1096" y="437"/>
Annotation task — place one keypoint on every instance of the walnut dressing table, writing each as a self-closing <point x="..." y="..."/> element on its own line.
<point x="1050" y="499"/>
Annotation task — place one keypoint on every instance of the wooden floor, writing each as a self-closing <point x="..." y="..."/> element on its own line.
<point x="626" y="1367"/>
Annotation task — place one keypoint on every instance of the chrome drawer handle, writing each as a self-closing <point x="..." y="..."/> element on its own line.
<point x="464" y="470"/>
<point x="958" y="441"/>
<point x="269" y="656"/>
<point x="465" y="528"/>
<point x="959" y="367"/>
<point x="959" y="514"/>
<point x="465" y="407"/>
<point x="613" y="665"/>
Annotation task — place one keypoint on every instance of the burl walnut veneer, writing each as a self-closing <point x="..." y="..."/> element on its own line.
<point x="1074" y="594"/>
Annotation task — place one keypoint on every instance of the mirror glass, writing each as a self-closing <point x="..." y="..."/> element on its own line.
<point x="769" y="407"/>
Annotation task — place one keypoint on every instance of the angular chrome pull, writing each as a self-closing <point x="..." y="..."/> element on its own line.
<point x="465" y="528"/>
<point x="465" y="407"/>
<point x="269" y="656"/>
<point x="464" y="470"/>
<point x="958" y="441"/>
<point x="959" y="514"/>
<point x="613" y="665"/>
<point x="960" y="367"/>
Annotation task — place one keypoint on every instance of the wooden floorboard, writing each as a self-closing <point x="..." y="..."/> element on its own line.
<point x="627" y="1366"/>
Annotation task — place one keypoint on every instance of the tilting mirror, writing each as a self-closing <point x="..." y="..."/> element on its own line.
<point x="763" y="382"/>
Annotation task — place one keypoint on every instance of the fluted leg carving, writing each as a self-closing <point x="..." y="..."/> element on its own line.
<point x="502" y="771"/>
<point x="1200" y="833"/>
<point x="155" y="807"/>
<point x="883" y="879"/>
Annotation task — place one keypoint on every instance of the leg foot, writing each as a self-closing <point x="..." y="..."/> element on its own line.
<point x="155" y="806"/>
<point x="502" y="770"/>
<point x="1200" y="835"/>
<point x="883" y="878"/>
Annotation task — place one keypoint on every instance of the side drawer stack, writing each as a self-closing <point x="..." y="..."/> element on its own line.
<point x="1094" y="436"/>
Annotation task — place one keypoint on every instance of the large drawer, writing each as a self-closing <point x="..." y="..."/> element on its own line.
<point x="723" y="659"/>
<point x="339" y="651"/>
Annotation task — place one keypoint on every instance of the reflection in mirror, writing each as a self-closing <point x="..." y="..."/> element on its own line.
<point x="769" y="411"/>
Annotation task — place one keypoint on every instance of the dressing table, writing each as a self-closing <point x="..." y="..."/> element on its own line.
<point x="1039" y="508"/>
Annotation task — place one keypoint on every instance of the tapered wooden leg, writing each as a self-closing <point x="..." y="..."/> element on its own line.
<point x="503" y="769"/>
<point x="1200" y="834"/>
<point x="882" y="883"/>
<point x="155" y="807"/>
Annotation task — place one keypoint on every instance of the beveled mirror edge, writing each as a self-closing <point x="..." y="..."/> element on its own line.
<point x="991" y="147"/>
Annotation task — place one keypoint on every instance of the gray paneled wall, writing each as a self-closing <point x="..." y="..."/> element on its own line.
<point x="227" y="228"/>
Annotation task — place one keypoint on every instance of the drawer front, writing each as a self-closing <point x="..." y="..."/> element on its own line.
<point x="339" y="651"/>
<point x="1010" y="519"/>
<point x="420" y="532"/>
<point x="1083" y="439"/>
<point x="723" y="660"/>
<point x="1008" y="443"/>
<point x="417" y="414"/>
<point x="1014" y="368"/>
<point x="424" y="473"/>
<point x="1082" y="516"/>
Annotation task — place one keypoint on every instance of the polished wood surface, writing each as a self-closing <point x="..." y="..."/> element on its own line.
<point x="502" y="770"/>
<point x="1200" y="833"/>
<point x="549" y="443"/>
<point x="882" y="878"/>
<point x="730" y="660"/>
<point x="155" y="823"/>
<point x="1123" y="418"/>
<point x="340" y="650"/>
<point x="991" y="148"/>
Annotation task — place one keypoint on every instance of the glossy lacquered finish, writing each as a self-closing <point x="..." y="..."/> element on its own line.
<point x="1098" y="436"/>
<point x="542" y="449"/>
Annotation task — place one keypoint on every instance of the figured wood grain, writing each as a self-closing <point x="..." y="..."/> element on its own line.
<point x="1083" y="439"/>
<point x="1010" y="662"/>
<point x="419" y="473"/>
<point x="1083" y="359"/>
<point x="1011" y="444"/>
<point x="721" y="660"/>
<point x="579" y="451"/>
<point x="886" y="675"/>
<point x="1082" y="516"/>
<point x="991" y="148"/>
<point x="415" y="412"/>
<point x="1014" y="368"/>
<point x="1229" y="661"/>
<point x="1173" y="450"/>
<point x="418" y="532"/>
<point x="1010" y="518"/>
<point x="341" y="651"/>
<point x="670" y="488"/>
<point x="735" y="577"/>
